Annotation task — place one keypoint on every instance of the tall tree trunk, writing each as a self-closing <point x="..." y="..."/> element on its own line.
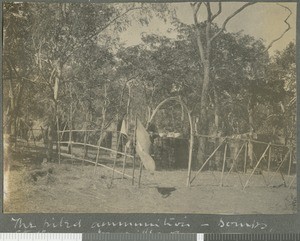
<point x="85" y="127"/>
<point x="12" y="118"/>
<point x="15" y="102"/>
<point x="203" y="120"/>
<point x="50" y="134"/>
<point x="70" y="128"/>
<point x="54" y="125"/>
<point x="102" y="128"/>
<point x="251" y="129"/>
<point x="216" y="132"/>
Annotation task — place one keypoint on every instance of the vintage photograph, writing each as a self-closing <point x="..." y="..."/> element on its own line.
<point x="149" y="107"/>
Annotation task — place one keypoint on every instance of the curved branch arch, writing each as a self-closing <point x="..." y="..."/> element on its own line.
<point x="184" y="106"/>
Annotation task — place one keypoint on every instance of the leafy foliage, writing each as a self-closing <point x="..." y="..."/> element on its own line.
<point x="65" y="63"/>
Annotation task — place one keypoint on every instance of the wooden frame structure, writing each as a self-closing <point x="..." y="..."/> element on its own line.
<point x="266" y="154"/>
<point x="98" y="149"/>
<point x="244" y="146"/>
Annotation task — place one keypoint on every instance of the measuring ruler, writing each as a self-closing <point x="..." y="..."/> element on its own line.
<point x="145" y="237"/>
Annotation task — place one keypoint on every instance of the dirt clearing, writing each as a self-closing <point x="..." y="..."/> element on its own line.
<point x="33" y="186"/>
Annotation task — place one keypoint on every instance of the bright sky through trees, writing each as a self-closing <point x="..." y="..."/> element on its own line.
<point x="262" y="20"/>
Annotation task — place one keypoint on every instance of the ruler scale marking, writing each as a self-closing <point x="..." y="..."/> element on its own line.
<point x="146" y="237"/>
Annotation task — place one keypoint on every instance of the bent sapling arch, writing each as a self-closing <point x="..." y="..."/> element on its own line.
<point x="183" y="105"/>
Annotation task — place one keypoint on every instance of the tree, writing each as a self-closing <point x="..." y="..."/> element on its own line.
<point x="55" y="37"/>
<point x="18" y="78"/>
<point x="206" y="38"/>
<point x="281" y="77"/>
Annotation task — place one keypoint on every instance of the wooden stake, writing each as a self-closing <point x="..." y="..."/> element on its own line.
<point x="224" y="162"/>
<point x="246" y="155"/>
<point x="234" y="160"/>
<point x="140" y="174"/>
<point x="281" y="164"/>
<point x="99" y="164"/>
<point x="58" y="139"/>
<point x="101" y="147"/>
<point x="211" y="155"/>
<point x="71" y="145"/>
<point x="115" y="160"/>
<point x="33" y="136"/>
<point x="85" y="147"/>
<point x="134" y="149"/>
<point x="291" y="183"/>
<point x="58" y="146"/>
<point x="262" y="156"/>
<point x="124" y="161"/>
<point x="290" y="163"/>
<point x="98" y="154"/>
<point x="190" y="148"/>
<point x="269" y="160"/>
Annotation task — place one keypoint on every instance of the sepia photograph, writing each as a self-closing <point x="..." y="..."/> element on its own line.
<point x="186" y="107"/>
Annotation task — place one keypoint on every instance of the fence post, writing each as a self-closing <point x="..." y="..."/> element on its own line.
<point x="246" y="155"/>
<point x="124" y="161"/>
<point x="262" y="156"/>
<point x="290" y="163"/>
<point x="134" y="149"/>
<point x="211" y="155"/>
<point x="58" y="146"/>
<point x="224" y="162"/>
<point x="269" y="160"/>
<point x="116" y="157"/>
<point x="98" y="153"/>
<point x="140" y="174"/>
<point x="190" y="149"/>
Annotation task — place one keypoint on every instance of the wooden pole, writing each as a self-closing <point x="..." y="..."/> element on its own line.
<point x="57" y="132"/>
<point x="291" y="183"/>
<point x="124" y="162"/>
<point x="290" y="162"/>
<point x="85" y="151"/>
<point x="101" y="147"/>
<point x="246" y="155"/>
<point x="116" y="157"/>
<point x="33" y="136"/>
<point x="262" y="156"/>
<point x="281" y="164"/>
<point x="85" y="148"/>
<point x="63" y="131"/>
<point x="71" y="145"/>
<point x="58" y="147"/>
<point x="269" y="160"/>
<point x="99" y="164"/>
<point x="98" y="153"/>
<point x="211" y="155"/>
<point x="190" y="148"/>
<point x="224" y="162"/>
<point x="140" y="174"/>
<point x="234" y="160"/>
<point x="134" y="149"/>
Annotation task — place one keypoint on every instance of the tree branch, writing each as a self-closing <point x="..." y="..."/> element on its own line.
<point x="207" y="30"/>
<point x="209" y="13"/>
<point x="217" y="13"/>
<point x="196" y="8"/>
<point x="230" y="17"/>
<point x="285" y="31"/>
<point x="90" y="37"/>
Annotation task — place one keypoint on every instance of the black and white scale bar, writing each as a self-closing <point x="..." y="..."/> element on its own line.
<point x="40" y="237"/>
<point x="145" y="237"/>
<point x="99" y="237"/>
<point x="252" y="237"/>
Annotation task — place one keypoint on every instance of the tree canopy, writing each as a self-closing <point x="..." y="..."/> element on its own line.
<point x="65" y="64"/>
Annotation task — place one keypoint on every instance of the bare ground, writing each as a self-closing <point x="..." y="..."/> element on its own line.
<point x="35" y="187"/>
